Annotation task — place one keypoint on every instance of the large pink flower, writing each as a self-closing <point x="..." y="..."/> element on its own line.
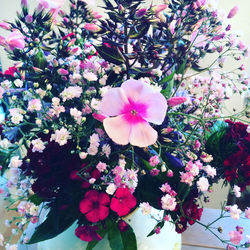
<point x="129" y="109"/>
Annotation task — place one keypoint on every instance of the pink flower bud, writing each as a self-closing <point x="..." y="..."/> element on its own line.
<point x="233" y="12"/>
<point x="24" y="3"/>
<point x="177" y="100"/>
<point x="29" y="19"/>
<point x="63" y="72"/>
<point x="92" y="27"/>
<point x="5" y="26"/>
<point x="141" y="12"/>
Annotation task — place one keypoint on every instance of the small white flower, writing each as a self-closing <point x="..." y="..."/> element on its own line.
<point x="95" y="103"/>
<point x="90" y="76"/>
<point x="145" y="208"/>
<point x="235" y="212"/>
<point x="18" y="83"/>
<point x="38" y="145"/>
<point x="236" y="191"/>
<point x="15" y="162"/>
<point x="106" y="149"/>
<point x="210" y="171"/>
<point x="83" y="155"/>
<point x="71" y="92"/>
<point x="61" y="136"/>
<point x="202" y="184"/>
<point x="111" y="189"/>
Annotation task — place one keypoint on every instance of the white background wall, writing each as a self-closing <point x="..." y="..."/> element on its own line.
<point x="240" y="23"/>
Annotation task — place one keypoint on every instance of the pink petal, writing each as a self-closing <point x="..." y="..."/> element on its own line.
<point x="118" y="129"/>
<point x="113" y="102"/>
<point x="85" y="206"/>
<point x="157" y="107"/>
<point x="142" y="135"/>
<point x="136" y="89"/>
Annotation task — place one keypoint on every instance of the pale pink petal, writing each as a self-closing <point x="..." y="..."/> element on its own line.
<point x="113" y="102"/>
<point x="157" y="107"/>
<point x="136" y="89"/>
<point x="117" y="129"/>
<point x="142" y="135"/>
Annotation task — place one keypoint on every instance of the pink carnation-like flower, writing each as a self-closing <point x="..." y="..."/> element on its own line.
<point x="235" y="237"/>
<point x="203" y="184"/>
<point x="15" y="40"/>
<point x="168" y="202"/>
<point x="130" y="108"/>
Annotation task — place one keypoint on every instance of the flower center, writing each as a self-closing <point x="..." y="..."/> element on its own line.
<point x="133" y="112"/>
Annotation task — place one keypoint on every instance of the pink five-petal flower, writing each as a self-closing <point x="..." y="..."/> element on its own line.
<point x="95" y="206"/>
<point x="129" y="109"/>
<point x="15" y="40"/>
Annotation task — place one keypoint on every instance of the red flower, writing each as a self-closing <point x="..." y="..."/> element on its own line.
<point x="238" y="130"/>
<point x="11" y="71"/>
<point x="123" y="201"/>
<point x="87" y="233"/>
<point x="95" y="206"/>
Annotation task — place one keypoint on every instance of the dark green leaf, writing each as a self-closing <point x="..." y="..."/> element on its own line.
<point x="110" y="54"/>
<point x="114" y="236"/>
<point x="56" y="222"/>
<point x="37" y="200"/>
<point x="139" y="31"/>
<point x="168" y="90"/>
<point x="129" y="239"/>
<point x="159" y="224"/>
<point x="182" y="67"/>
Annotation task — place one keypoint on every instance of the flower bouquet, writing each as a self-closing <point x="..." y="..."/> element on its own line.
<point x="109" y="112"/>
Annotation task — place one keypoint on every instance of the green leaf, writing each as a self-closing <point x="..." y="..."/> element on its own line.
<point x="115" y="238"/>
<point x="167" y="78"/>
<point x="121" y="240"/>
<point x="168" y="90"/>
<point x="159" y="224"/>
<point x="139" y="31"/>
<point x="182" y="67"/>
<point x="129" y="239"/>
<point x="56" y="222"/>
<point x="37" y="200"/>
<point x="110" y="54"/>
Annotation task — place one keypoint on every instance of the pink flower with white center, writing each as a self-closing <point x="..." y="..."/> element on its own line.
<point x="101" y="166"/>
<point x="145" y="208"/>
<point x="61" y="136"/>
<point x="235" y="237"/>
<point x="34" y="105"/>
<point x="168" y="202"/>
<point x="187" y="178"/>
<point x="235" y="212"/>
<point x="129" y="109"/>
<point x="15" y="40"/>
<point x="236" y="191"/>
<point x="202" y="184"/>
<point x="38" y="145"/>
<point x="247" y="213"/>
<point x="154" y="160"/>
<point x="210" y="171"/>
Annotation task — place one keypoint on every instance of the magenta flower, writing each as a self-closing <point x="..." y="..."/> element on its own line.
<point x="15" y="40"/>
<point x="129" y="109"/>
